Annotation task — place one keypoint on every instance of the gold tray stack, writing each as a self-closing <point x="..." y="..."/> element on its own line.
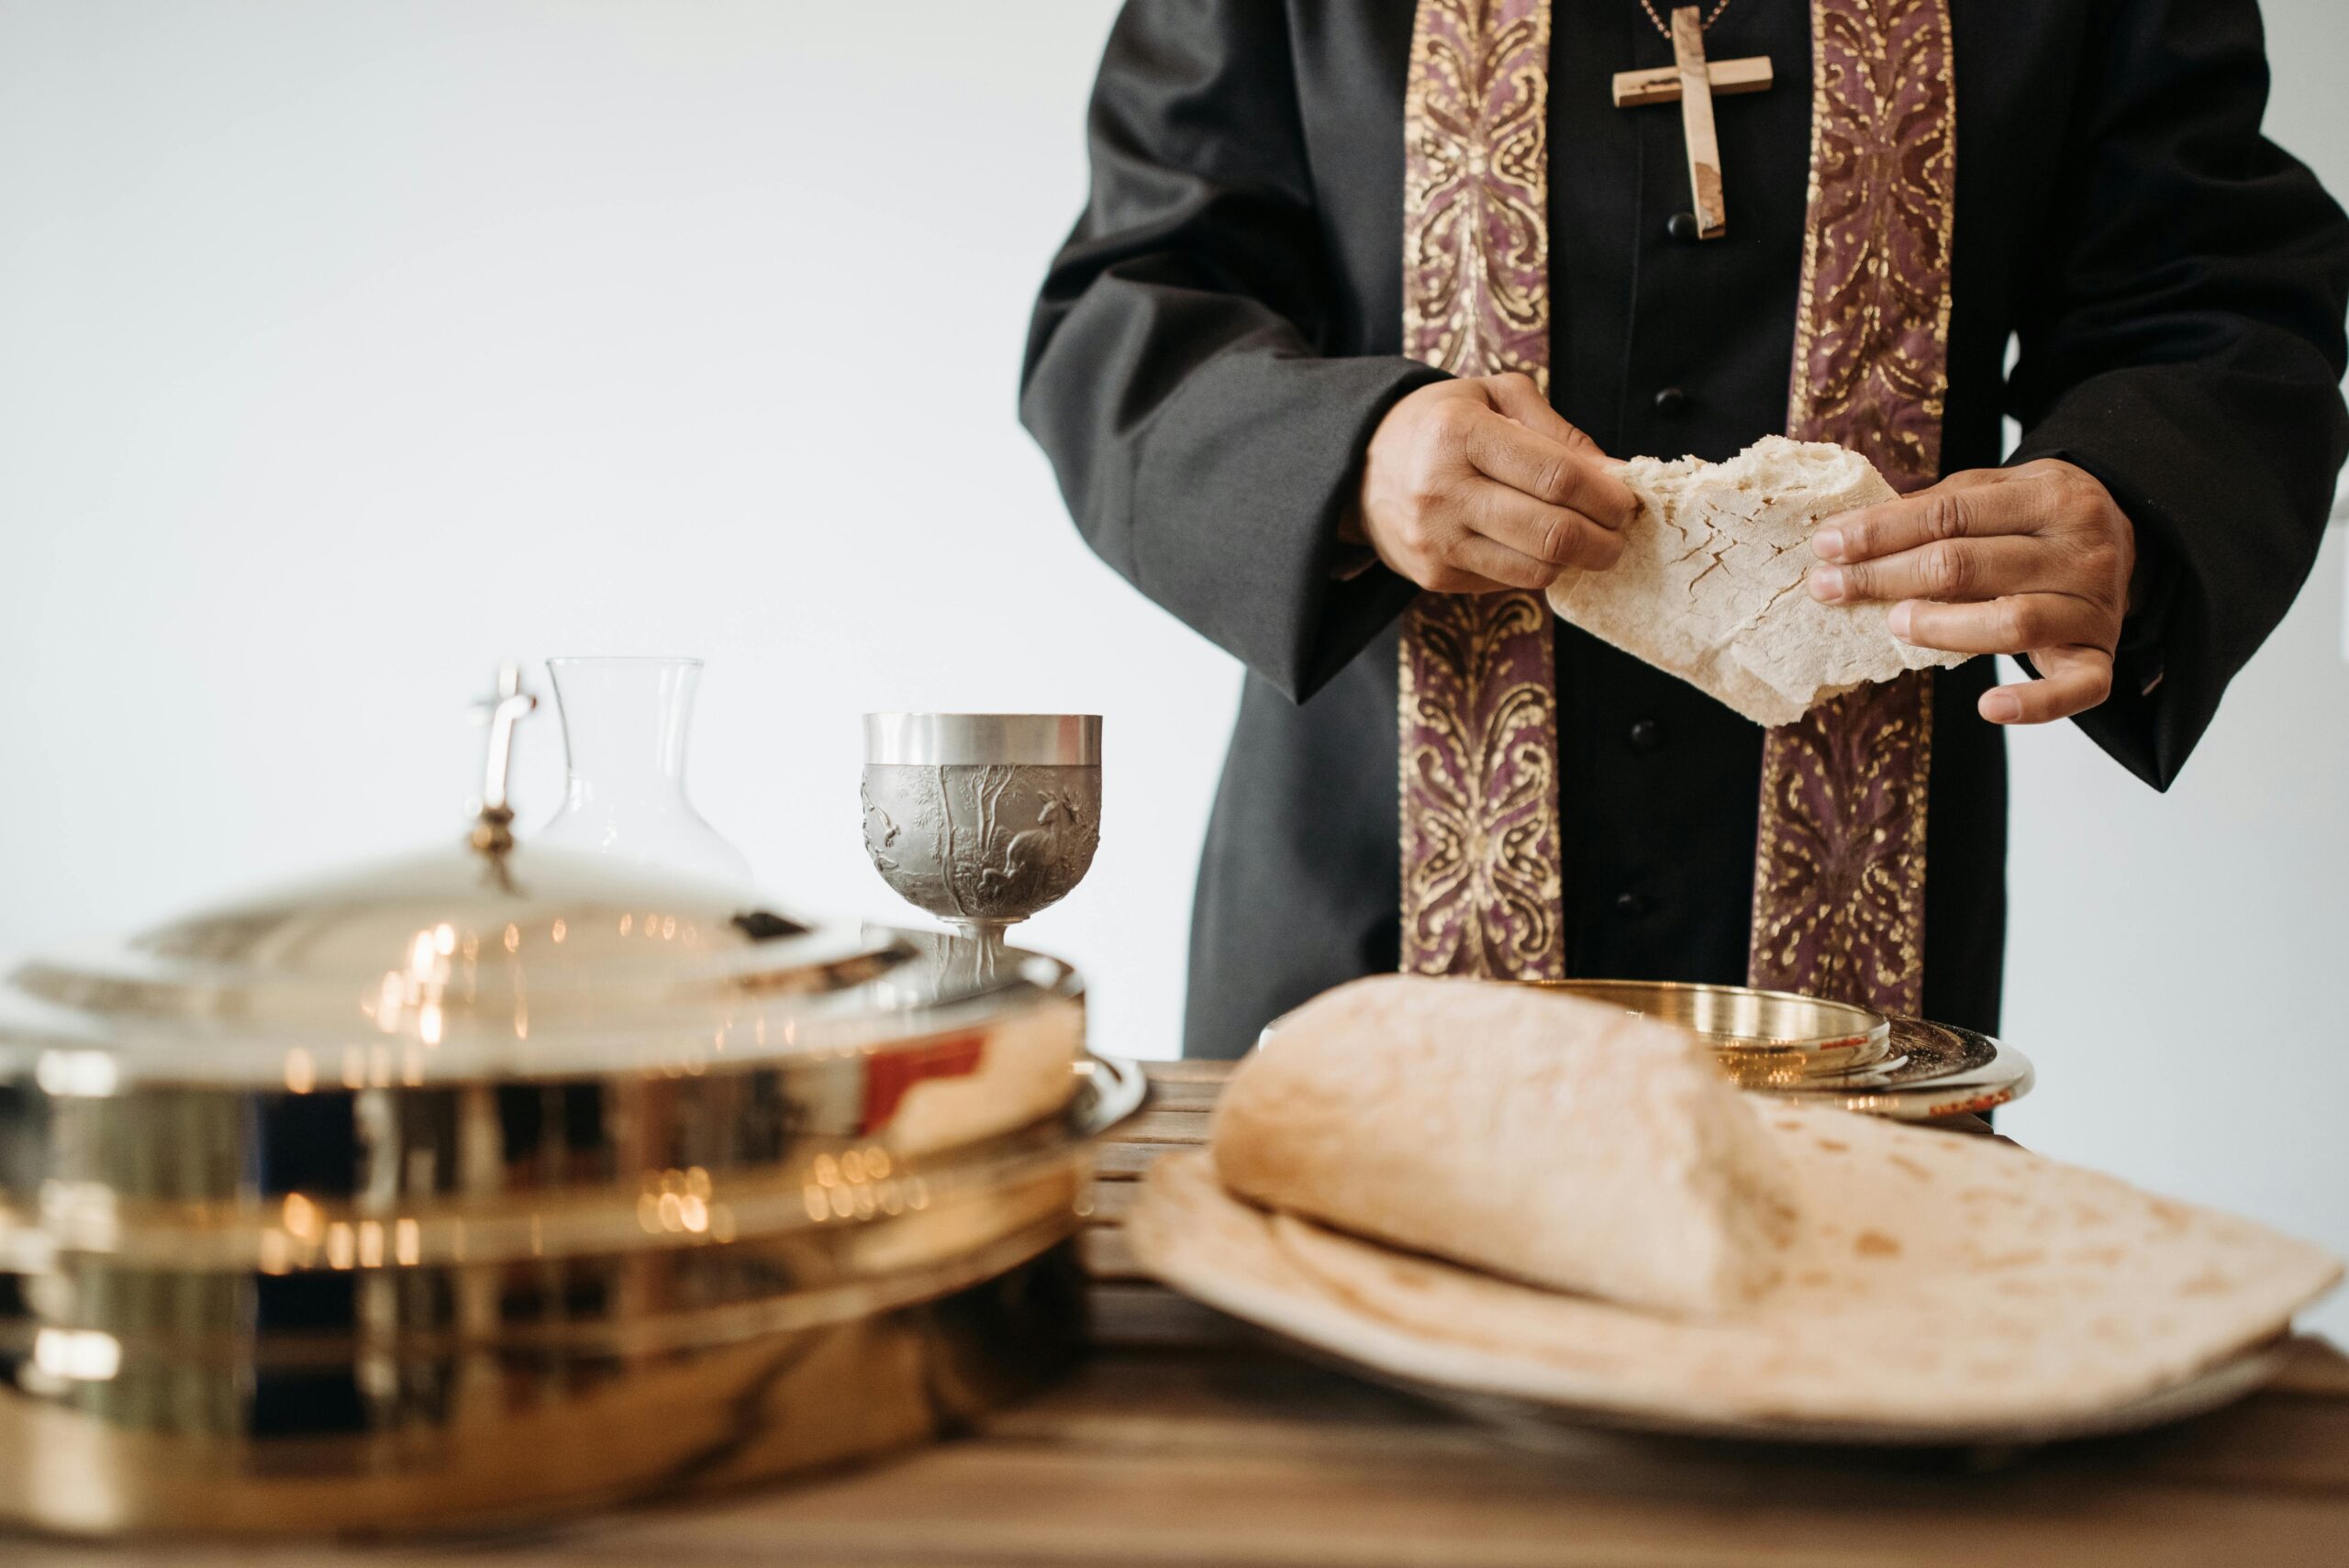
<point x="450" y="1194"/>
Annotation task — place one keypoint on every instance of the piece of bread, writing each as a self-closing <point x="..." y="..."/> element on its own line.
<point x="1532" y="1134"/>
<point x="1710" y="586"/>
<point x="1940" y="1282"/>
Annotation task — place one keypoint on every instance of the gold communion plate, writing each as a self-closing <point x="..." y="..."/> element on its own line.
<point x="1778" y="1029"/>
<point x="1777" y="1042"/>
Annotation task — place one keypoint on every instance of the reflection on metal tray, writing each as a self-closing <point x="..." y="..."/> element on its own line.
<point x="373" y="1436"/>
<point x="1935" y="1070"/>
<point x="387" y="1395"/>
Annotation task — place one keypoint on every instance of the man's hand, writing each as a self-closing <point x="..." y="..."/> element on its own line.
<point x="2032" y="560"/>
<point x="1476" y="485"/>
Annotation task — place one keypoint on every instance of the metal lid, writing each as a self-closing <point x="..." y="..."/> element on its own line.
<point x="497" y="1038"/>
<point x="488" y="959"/>
<point x="437" y="967"/>
<point x="527" y="1065"/>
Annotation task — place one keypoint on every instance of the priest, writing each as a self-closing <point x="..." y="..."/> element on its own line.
<point x="1368" y="291"/>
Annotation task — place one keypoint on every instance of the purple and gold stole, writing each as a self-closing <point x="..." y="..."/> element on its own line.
<point x="1839" y="881"/>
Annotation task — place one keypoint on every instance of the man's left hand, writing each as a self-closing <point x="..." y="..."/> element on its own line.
<point x="2034" y="560"/>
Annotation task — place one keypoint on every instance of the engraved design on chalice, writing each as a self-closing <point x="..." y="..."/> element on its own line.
<point x="982" y="820"/>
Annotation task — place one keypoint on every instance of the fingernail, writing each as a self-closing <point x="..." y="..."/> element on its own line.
<point x="1826" y="584"/>
<point x="2001" y="707"/>
<point x="1898" y="620"/>
<point x="1828" y="544"/>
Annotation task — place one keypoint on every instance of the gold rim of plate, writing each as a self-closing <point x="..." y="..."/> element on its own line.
<point x="1777" y="1042"/>
<point x="1778" y="1025"/>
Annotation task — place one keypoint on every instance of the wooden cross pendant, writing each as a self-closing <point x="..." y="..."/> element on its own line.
<point x="1691" y="83"/>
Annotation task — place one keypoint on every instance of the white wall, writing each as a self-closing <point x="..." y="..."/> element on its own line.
<point x="347" y="350"/>
<point x="2174" y="961"/>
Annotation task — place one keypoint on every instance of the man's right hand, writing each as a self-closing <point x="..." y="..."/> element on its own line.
<point x="1477" y="485"/>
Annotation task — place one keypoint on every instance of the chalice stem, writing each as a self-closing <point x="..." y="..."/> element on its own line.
<point x="986" y="948"/>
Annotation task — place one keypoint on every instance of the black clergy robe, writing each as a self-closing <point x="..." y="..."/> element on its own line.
<point x="1220" y="337"/>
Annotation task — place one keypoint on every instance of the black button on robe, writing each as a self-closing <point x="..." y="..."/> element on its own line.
<point x="1221" y="334"/>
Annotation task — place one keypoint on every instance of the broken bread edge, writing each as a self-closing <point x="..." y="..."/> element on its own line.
<point x="1709" y="587"/>
<point x="1542" y="1136"/>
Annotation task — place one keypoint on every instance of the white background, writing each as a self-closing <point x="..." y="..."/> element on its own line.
<point x="347" y="350"/>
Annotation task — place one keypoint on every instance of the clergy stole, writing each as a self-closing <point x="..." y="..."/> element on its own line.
<point x="1839" y="880"/>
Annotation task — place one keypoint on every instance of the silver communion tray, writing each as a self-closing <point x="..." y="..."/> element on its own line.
<point x="482" y="1186"/>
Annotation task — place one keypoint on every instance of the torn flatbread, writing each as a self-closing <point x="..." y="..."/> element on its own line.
<point x="1711" y="587"/>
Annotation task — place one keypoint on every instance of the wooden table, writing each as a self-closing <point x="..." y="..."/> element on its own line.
<point x="1188" y="1441"/>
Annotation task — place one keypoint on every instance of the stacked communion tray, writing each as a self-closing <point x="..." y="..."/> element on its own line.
<point x="502" y="1181"/>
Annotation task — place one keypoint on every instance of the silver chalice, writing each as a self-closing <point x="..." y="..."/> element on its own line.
<point x="982" y="818"/>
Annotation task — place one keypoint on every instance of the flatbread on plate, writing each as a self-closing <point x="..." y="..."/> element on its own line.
<point x="1940" y="1282"/>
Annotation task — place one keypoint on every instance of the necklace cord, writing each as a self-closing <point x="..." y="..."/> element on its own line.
<point x="1649" y="6"/>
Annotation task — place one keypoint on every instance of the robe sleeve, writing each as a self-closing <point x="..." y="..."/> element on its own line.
<point x="2183" y="342"/>
<point x="1179" y="371"/>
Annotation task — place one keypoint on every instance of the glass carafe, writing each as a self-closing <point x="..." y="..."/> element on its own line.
<point x="624" y="727"/>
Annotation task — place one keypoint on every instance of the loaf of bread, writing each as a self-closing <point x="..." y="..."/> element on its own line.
<point x="1531" y="1134"/>
<point x="1710" y="586"/>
